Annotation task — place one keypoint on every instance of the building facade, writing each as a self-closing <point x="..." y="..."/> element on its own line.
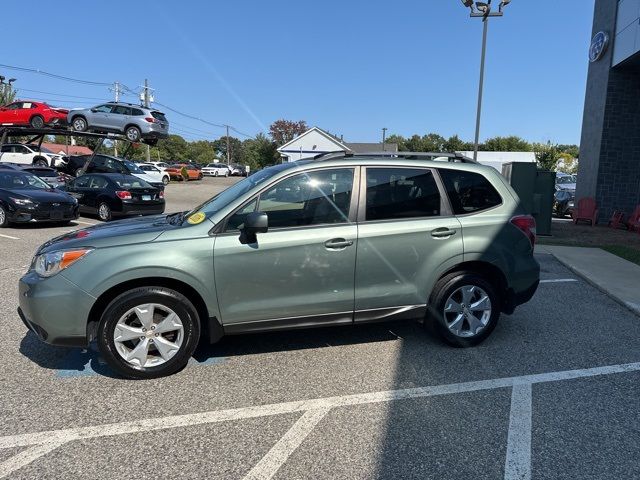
<point x="316" y="141"/>
<point x="609" y="168"/>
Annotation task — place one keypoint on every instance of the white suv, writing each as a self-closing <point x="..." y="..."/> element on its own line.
<point x="29" y="155"/>
<point x="158" y="173"/>
<point x="216" y="170"/>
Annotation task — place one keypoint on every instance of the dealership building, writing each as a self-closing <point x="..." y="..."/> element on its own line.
<point x="609" y="167"/>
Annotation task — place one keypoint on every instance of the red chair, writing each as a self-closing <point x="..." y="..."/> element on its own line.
<point x="634" y="220"/>
<point x="617" y="220"/>
<point x="587" y="210"/>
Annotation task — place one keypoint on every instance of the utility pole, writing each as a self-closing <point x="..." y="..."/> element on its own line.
<point x="146" y="104"/>
<point x="116" y="95"/>
<point x="228" y="147"/>
<point x="384" y="137"/>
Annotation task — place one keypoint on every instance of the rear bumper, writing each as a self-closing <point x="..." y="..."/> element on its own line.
<point x="524" y="287"/>
<point x="151" y="208"/>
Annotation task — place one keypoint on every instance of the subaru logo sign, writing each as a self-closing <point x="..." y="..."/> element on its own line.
<point x="598" y="46"/>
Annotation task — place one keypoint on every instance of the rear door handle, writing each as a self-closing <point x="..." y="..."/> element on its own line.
<point x="442" y="233"/>
<point x="338" y="243"/>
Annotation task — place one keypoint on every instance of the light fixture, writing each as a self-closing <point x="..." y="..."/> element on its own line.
<point x="503" y="4"/>
<point x="1" y="79"/>
<point x="483" y="7"/>
<point x="11" y="80"/>
<point x="468" y="3"/>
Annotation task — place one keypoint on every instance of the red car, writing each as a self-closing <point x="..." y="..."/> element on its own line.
<point x="33" y="114"/>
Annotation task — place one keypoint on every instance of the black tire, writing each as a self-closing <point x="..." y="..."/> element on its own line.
<point x="164" y="297"/>
<point x="40" y="162"/>
<point x="104" y="212"/>
<point x="166" y="180"/>
<point x="79" y="124"/>
<point x="133" y="133"/>
<point x="36" y="122"/>
<point x="78" y="172"/>
<point x="437" y="319"/>
<point x="4" y="219"/>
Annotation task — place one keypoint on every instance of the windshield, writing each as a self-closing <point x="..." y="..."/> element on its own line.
<point x="128" y="181"/>
<point x="566" y="180"/>
<point x="21" y="181"/>
<point x="132" y="167"/>
<point x="225" y="197"/>
<point x="42" y="149"/>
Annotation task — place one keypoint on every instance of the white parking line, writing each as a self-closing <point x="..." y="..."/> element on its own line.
<point x="9" y="236"/>
<point x="317" y="405"/>
<point x="25" y="458"/>
<point x="84" y="223"/>
<point x="518" y="463"/>
<point x="282" y="450"/>
<point x="559" y="280"/>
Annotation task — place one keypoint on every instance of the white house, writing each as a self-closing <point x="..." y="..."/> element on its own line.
<point x="497" y="159"/>
<point x="316" y="141"/>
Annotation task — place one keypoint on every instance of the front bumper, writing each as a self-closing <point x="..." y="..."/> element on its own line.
<point x="55" y="309"/>
<point x="22" y="214"/>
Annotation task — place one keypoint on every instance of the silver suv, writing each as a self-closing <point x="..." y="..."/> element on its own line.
<point x="134" y="121"/>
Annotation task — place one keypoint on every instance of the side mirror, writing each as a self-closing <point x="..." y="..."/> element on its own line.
<point x="255" y="222"/>
<point x="94" y="110"/>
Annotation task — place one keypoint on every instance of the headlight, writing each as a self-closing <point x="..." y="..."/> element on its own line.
<point x="48" y="264"/>
<point x="21" y="201"/>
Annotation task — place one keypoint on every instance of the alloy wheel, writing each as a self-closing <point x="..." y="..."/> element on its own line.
<point x="3" y="216"/>
<point x="148" y="335"/>
<point x="104" y="212"/>
<point x="467" y="311"/>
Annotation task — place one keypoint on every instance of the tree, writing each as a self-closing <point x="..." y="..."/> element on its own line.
<point x="567" y="163"/>
<point x="283" y="131"/>
<point x="398" y="140"/>
<point x="7" y="94"/>
<point x="259" y="152"/>
<point x="572" y="150"/>
<point x="220" y="147"/>
<point x="506" y="144"/>
<point x="456" y="144"/>
<point x="547" y="155"/>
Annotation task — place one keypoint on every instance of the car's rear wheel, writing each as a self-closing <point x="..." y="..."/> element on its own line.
<point x="165" y="180"/>
<point x="4" y="219"/>
<point x="464" y="309"/>
<point x="104" y="212"/>
<point x="79" y="124"/>
<point x="40" y="162"/>
<point x="133" y="134"/>
<point x="148" y="332"/>
<point x="36" y="122"/>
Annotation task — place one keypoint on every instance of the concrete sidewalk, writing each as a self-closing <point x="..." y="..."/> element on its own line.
<point x="618" y="278"/>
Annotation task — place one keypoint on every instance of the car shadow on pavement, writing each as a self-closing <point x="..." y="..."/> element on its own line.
<point x="280" y="341"/>
<point x="66" y="362"/>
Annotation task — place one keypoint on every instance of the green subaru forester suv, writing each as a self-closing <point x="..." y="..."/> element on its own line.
<point x="336" y="240"/>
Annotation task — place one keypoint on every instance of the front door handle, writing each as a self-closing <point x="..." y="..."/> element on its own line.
<point x="338" y="243"/>
<point x="442" y="233"/>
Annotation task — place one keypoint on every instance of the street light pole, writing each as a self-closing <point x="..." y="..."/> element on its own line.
<point x="482" y="10"/>
<point x="384" y="138"/>
<point x="480" y="88"/>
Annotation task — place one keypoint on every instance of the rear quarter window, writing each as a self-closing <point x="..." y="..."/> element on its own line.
<point x="469" y="192"/>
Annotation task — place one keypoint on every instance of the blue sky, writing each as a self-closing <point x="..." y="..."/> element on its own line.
<point x="350" y="67"/>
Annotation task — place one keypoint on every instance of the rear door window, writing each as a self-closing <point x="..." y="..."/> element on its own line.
<point x="159" y="116"/>
<point x="469" y="192"/>
<point x="397" y="193"/>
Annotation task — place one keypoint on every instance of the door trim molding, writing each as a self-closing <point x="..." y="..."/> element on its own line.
<point x="406" y="312"/>
<point x="290" y="323"/>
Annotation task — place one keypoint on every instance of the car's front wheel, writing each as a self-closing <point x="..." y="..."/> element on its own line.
<point x="165" y="180"/>
<point x="40" y="162"/>
<point x="148" y="332"/>
<point x="4" y="219"/>
<point x="79" y="124"/>
<point x="464" y="309"/>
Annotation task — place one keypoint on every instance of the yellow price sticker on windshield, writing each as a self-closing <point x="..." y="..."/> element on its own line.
<point x="196" y="218"/>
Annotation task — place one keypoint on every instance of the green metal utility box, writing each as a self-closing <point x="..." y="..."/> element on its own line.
<point x="535" y="189"/>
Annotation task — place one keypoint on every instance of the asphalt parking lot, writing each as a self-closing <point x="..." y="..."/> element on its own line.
<point x="552" y="394"/>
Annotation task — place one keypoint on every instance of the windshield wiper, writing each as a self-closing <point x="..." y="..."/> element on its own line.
<point x="176" y="218"/>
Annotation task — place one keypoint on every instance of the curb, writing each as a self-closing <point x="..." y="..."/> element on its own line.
<point x="634" y="308"/>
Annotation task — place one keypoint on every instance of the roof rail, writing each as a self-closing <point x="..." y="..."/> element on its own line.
<point x="451" y="157"/>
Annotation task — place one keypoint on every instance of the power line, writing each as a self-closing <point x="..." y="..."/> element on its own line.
<point x="53" y="75"/>
<point x="60" y="94"/>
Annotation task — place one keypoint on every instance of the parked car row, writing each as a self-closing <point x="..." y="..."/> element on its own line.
<point x="565" y="194"/>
